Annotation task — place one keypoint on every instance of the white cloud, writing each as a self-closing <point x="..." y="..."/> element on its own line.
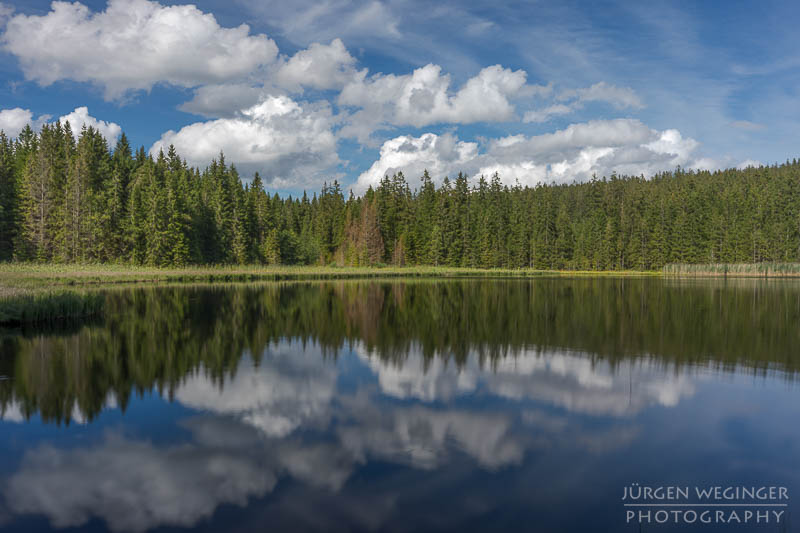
<point x="747" y="125"/>
<point x="543" y="115"/>
<point x="133" y="45"/>
<point x="80" y="118"/>
<point x="292" y="145"/>
<point x="424" y="97"/>
<point x="749" y="163"/>
<point x="13" y="120"/>
<point x="618" y="97"/>
<point x="439" y="154"/>
<point x="5" y="13"/>
<point x="320" y="66"/>
<point x="305" y="21"/>
<point x="624" y="146"/>
<point x="222" y="100"/>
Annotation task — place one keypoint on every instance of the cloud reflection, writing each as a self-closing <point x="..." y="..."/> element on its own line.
<point x="569" y="380"/>
<point x="288" y="417"/>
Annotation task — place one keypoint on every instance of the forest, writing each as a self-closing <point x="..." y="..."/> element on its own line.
<point x="68" y="200"/>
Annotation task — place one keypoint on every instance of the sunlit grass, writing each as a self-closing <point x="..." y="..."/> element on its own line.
<point x="29" y="275"/>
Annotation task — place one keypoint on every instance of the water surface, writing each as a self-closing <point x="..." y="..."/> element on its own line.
<point x="468" y="405"/>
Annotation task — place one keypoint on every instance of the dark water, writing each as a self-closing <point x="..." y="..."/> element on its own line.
<point x="406" y="406"/>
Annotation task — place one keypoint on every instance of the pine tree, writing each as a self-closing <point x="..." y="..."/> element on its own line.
<point x="271" y="249"/>
<point x="122" y="166"/>
<point x="9" y="199"/>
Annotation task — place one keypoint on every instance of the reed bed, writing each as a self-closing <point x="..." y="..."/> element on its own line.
<point x="43" y="307"/>
<point x="740" y="270"/>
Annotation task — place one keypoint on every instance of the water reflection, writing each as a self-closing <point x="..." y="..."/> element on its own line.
<point x="290" y="387"/>
<point x="294" y="406"/>
<point x="571" y="380"/>
<point x="157" y="337"/>
<point x="284" y="417"/>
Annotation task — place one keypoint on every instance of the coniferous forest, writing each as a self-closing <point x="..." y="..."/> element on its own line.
<point x="68" y="200"/>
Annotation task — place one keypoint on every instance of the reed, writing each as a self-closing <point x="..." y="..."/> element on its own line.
<point x="20" y="308"/>
<point x="739" y="270"/>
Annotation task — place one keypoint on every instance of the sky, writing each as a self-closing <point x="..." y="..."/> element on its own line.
<point x="309" y="91"/>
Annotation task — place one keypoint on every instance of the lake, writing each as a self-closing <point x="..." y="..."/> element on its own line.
<point x="424" y="405"/>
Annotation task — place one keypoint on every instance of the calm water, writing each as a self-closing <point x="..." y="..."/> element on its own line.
<point x="403" y="406"/>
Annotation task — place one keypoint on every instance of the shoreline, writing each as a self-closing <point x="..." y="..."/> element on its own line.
<point x="28" y="276"/>
<point x="33" y="294"/>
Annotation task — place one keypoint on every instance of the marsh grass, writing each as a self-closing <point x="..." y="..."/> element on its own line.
<point x="750" y="270"/>
<point x="19" y="308"/>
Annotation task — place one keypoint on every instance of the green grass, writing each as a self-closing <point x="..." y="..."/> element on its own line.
<point x="764" y="270"/>
<point x="28" y="275"/>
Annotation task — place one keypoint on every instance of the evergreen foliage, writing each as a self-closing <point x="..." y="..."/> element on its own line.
<point x="76" y="200"/>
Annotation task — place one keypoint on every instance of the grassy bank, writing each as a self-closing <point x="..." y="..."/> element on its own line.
<point x="32" y="276"/>
<point x="738" y="270"/>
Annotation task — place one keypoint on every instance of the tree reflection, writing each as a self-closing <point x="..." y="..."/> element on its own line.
<point x="160" y="337"/>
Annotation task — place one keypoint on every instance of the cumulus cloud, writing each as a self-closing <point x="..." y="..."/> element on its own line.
<point x="439" y="154"/>
<point x="320" y="66"/>
<point x="424" y="97"/>
<point x="13" y="120"/>
<point x="602" y="147"/>
<point x="132" y="45"/>
<point x="80" y="118"/>
<point x="222" y="100"/>
<point x="292" y="145"/>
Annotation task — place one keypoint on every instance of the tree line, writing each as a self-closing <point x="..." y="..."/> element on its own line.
<point x="66" y="200"/>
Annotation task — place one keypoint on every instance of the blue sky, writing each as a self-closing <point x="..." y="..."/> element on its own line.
<point x="314" y="90"/>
